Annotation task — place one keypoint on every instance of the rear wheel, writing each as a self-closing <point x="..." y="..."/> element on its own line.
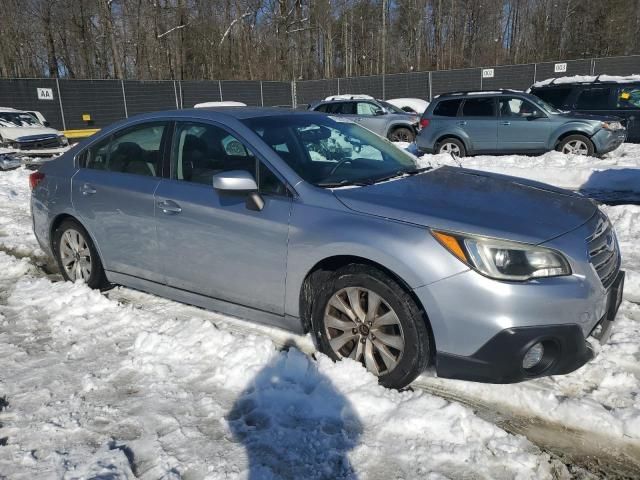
<point x="76" y="255"/>
<point x="452" y="146"/>
<point x="402" y="134"/>
<point x="365" y="315"/>
<point x="576" y="145"/>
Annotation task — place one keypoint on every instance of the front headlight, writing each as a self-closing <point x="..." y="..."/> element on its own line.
<point x="612" y="125"/>
<point x="503" y="259"/>
<point x="64" y="141"/>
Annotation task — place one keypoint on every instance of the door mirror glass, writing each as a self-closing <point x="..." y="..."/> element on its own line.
<point x="235" y="181"/>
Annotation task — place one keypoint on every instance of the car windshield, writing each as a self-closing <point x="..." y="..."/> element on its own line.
<point x="541" y="103"/>
<point x="17" y="119"/>
<point x="332" y="152"/>
<point x="390" y="107"/>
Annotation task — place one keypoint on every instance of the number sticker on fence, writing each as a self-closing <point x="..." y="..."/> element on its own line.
<point x="560" y="67"/>
<point x="487" y="73"/>
<point x="45" y="94"/>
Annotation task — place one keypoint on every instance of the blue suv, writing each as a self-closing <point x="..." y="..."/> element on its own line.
<point x="509" y="121"/>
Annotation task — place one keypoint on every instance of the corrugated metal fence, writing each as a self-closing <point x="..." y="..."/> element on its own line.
<point x="63" y="102"/>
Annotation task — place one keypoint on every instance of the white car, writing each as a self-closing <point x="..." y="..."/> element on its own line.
<point x="219" y="104"/>
<point x="24" y="136"/>
<point x="410" y="105"/>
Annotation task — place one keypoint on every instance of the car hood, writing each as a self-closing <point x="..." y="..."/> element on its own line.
<point x="470" y="201"/>
<point x="588" y="116"/>
<point x="15" y="133"/>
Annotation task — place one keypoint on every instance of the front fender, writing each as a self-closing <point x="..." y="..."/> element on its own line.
<point x="318" y="233"/>
<point x="575" y="126"/>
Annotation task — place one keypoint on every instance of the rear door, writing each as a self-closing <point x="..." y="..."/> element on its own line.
<point x="478" y="119"/>
<point x="371" y="116"/>
<point x="112" y="194"/>
<point x="522" y="126"/>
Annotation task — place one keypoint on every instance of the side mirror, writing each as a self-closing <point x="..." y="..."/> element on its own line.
<point x="533" y="115"/>
<point x="380" y="112"/>
<point x="241" y="182"/>
<point x="46" y="123"/>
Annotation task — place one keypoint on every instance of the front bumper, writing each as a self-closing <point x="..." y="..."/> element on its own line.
<point x="608" y="140"/>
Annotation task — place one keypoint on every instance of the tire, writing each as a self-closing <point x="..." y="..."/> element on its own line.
<point x="402" y="134"/>
<point x="397" y="350"/>
<point x="71" y="239"/>
<point x="576" y="145"/>
<point x="452" y="146"/>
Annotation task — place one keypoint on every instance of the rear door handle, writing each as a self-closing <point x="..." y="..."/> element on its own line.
<point x="462" y="123"/>
<point x="169" y="207"/>
<point x="87" y="189"/>
<point x="506" y="123"/>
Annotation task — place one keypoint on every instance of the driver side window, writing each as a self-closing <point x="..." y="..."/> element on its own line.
<point x="518" y="108"/>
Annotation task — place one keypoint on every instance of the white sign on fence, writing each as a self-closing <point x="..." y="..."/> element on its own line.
<point x="487" y="73"/>
<point x="560" y="67"/>
<point x="45" y="94"/>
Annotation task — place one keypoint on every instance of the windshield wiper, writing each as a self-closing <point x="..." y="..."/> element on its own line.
<point x="345" y="183"/>
<point x="373" y="181"/>
<point x="400" y="173"/>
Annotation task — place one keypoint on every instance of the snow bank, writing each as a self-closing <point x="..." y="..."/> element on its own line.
<point x="96" y="387"/>
<point x="588" y="79"/>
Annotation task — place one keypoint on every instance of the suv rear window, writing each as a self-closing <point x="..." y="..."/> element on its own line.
<point x="479" y="107"/>
<point x="447" y="108"/>
<point x="628" y="97"/>
<point x="594" y="99"/>
<point x="555" y="96"/>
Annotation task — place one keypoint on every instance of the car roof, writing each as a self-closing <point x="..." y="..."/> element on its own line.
<point x="465" y="93"/>
<point x="219" y="113"/>
<point x="9" y="109"/>
<point x="575" y="80"/>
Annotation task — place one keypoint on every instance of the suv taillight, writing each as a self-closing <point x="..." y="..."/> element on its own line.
<point x="35" y="178"/>
<point x="424" y="122"/>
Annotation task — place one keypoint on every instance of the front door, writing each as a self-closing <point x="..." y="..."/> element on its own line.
<point x="522" y="126"/>
<point x="112" y="194"/>
<point x="210" y="243"/>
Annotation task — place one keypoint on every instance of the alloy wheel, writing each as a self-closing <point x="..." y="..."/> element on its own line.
<point x="361" y="325"/>
<point x="450" y="148"/>
<point x="575" y="147"/>
<point x="75" y="255"/>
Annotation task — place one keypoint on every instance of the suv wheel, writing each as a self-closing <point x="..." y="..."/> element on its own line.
<point x="402" y="134"/>
<point x="452" y="146"/>
<point x="76" y="255"/>
<point x="363" y="314"/>
<point x="576" y="145"/>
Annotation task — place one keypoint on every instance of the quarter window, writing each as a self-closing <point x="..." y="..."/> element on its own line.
<point x="136" y="150"/>
<point x="478" y="107"/>
<point x="369" y="109"/>
<point x="555" y="96"/>
<point x="447" y="108"/>
<point x="594" y="99"/>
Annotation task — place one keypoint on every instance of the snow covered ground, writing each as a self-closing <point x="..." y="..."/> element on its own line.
<point x="125" y="384"/>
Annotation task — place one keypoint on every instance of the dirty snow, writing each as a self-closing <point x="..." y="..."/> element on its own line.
<point x="128" y="385"/>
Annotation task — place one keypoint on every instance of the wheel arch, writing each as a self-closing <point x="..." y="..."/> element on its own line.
<point x="399" y="124"/>
<point x="458" y="137"/>
<point x="321" y="271"/>
<point x="57" y="221"/>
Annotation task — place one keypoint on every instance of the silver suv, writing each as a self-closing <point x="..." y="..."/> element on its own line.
<point x="378" y="116"/>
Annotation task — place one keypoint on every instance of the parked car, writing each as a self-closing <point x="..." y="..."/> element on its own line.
<point x="410" y="105"/>
<point x="219" y="104"/>
<point x="508" y="121"/>
<point x="377" y="115"/>
<point x="317" y="225"/>
<point x="599" y="95"/>
<point x="22" y="134"/>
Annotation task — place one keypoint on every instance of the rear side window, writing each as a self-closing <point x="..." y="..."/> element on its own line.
<point x="555" y="96"/>
<point x="321" y="108"/>
<point x="447" y="108"/>
<point x="479" y="107"/>
<point x="594" y="99"/>
<point x="136" y="150"/>
<point x="628" y="97"/>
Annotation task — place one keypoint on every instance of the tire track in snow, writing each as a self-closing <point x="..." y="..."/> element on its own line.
<point x="598" y="454"/>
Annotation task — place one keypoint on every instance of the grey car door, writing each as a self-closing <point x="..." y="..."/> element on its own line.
<point x="373" y="117"/>
<point x="209" y="242"/>
<point x="480" y="123"/>
<point x="522" y="126"/>
<point x="112" y="194"/>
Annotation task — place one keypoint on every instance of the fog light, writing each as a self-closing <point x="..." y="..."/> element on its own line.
<point x="533" y="356"/>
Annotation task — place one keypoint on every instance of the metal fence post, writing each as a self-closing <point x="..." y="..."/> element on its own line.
<point x="64" y="124"/>
<point x="338" y="85"/>
<point x="430" y="84"/>
<point x="593" y="66"/>
<point x="481" y="78"/>
<point x="535" y="72"/>
<point x="220" y="88"/>
<point x="261" y="95"/>
<point x="384" y="97"/>
<point x="175" y="94"/>
<point x="124" y="100"/>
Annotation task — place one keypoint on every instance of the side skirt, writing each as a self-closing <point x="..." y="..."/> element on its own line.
<point x="285" y="322"/>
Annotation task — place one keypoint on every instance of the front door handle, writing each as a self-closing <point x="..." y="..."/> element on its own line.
<point x="87" y="189"/>
<point x="506" y="123"/>
<point x="169" y="207"/>
<point x="462" y="123"/>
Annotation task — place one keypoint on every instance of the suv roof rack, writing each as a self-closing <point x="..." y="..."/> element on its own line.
<point x="494" y="91"/>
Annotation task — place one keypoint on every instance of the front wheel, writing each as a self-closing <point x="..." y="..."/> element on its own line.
<point x="402" y="134"/>
<point x="576" y="145"/>
<point x="365" y="315"/>
<point x="76" y="255"/>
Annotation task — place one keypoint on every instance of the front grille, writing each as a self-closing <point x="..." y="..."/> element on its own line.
<point x="38" y="143"/>
<point x="603" y="251"/>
